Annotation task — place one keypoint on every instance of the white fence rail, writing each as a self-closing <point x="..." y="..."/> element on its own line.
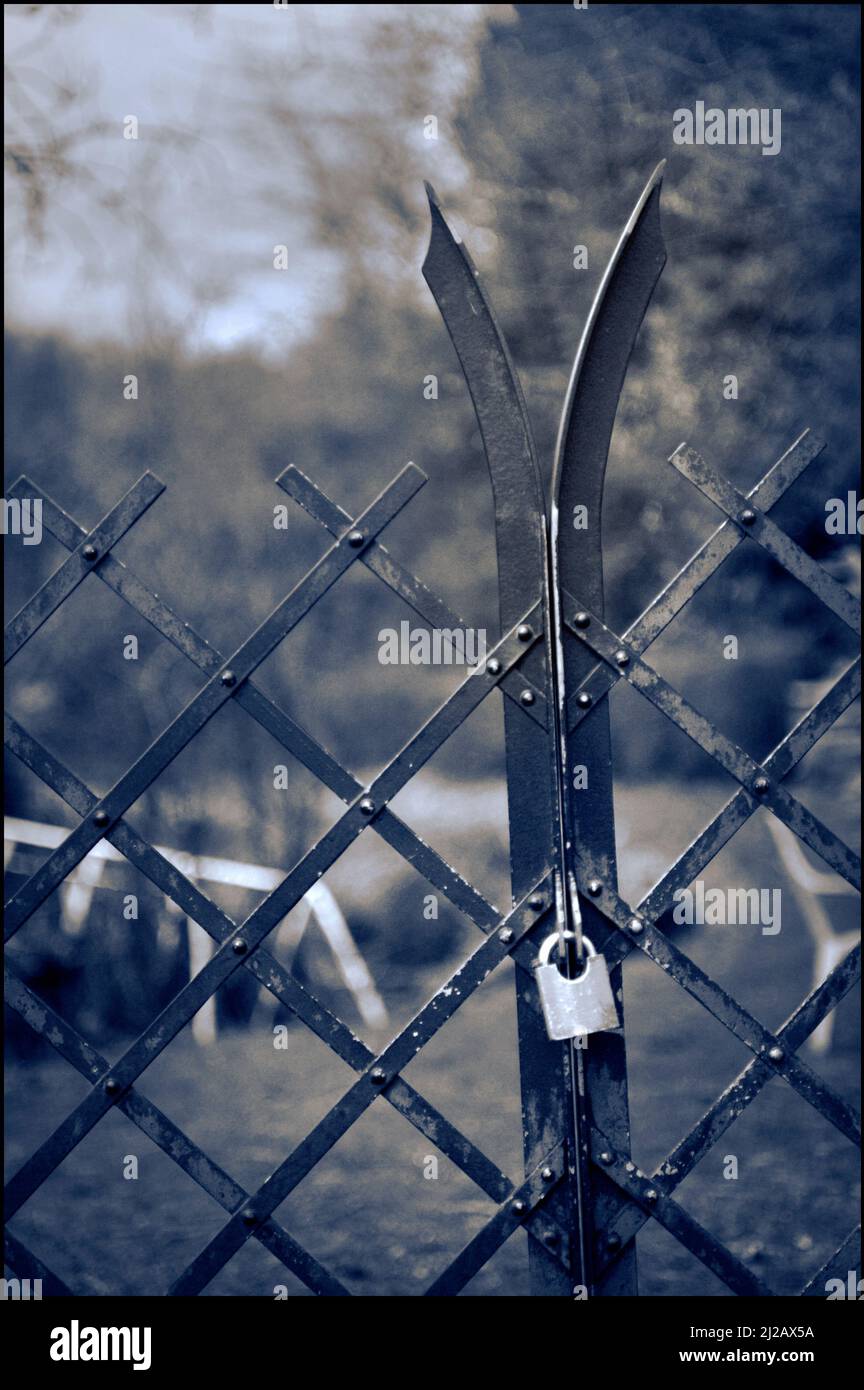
<point x="319" y="905"/>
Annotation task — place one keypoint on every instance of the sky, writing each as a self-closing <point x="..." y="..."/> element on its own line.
<point x="165" y="233"/>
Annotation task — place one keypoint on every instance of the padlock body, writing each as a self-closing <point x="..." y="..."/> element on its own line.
<point x="572" y="1008"/>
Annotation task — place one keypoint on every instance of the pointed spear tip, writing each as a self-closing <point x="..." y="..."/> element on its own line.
<point x="438" y="218"/>
<point x="657" y="176"/>
<point x="434" y="201"/>
<point x="652" y="186"/>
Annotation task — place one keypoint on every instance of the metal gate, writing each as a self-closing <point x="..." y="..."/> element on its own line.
<point x="623" y="1198"/>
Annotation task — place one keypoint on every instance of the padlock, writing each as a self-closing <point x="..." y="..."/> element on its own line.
<point x="572" y="1008"/>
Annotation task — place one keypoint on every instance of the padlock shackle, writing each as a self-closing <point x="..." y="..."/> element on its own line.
<point x="546" y="948"/>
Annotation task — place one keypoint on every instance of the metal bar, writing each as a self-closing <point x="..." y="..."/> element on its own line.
<point x="428" y="606"/>
<point x="264" y="917"/>
<point x="80" y="563"/>
<point x="502" y="418"/>
<point x="403" y="1048"/>
<point x="581" y="457"/>
<point x="270" y="973"/>
<point x="757" y="1073"/>
<point x="171" y="881"/>
<point x="539" y="1183"/>
<point x="284" y="729"/>
<point x="692" y="575"/>
<point x="165" y="1134"/>
<point x="649" y="1193"/>
<point x="27" y="1266"/>
<point x="728" y="1011"/>
<point x="753" y="777"/>
<point x="844" y="1259"/>
<point x="210" y="698"/>
<point x="737" y="1096"/>
<point x="741" y="806"/>
<point x="761" y="529"/>
<point x="816" y="722"/>
<point x="722" y="542"/>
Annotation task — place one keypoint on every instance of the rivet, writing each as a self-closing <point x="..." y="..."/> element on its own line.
<point x="761" y="786"/>
<point x="527" y="697"/>
<point x="239" y="947"/>
<point x="249" y="1217"/>
<point x="630" y="1167"/>
<point x="112" y="1086"/>
<point x="518" y="1205"/>
<point x="651" y="1195"/>
<point x="367" y="806"/>
<point x="524" y="632"/>
<point x="748" y="516"/>
<point x="622" y="658"/>
<point x="582" y="620"/>
<point x="776" y="1054"/>
<point x="595" y="887"/>
<point x="636" y="925"/>
<point x="101" y="818"/>
<point x="547" y="1173"/>
<point x="493" y="666"/>
<point x="613" y="1241"/>
<point x="378" y="1076"/>
<point x="228" y="678"/>
<point x="356" y="539"/>
<point x="89" y="552"/>
<point x="583" y="700"/>
<point x="606" y="1157"/>
<point x="536" y="901"/>
<point x="506" y="934"/>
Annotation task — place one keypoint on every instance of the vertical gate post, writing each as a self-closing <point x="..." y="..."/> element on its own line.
<point x="590" y="745"/>
<point x="521" y="553"/>
<point x="581" y="457"/>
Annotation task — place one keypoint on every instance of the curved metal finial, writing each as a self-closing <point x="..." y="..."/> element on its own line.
<point x="521" y="544"/>
<point x="501" y="414"/>
<point x="533" y="765"/>
<point x="596" y="380"/>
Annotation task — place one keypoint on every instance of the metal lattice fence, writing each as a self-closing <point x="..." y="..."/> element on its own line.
<point x="541" y="1202"/>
